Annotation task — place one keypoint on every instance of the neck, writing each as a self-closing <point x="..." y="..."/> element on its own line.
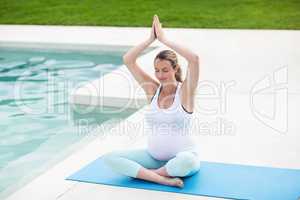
<point x="169" y="86"/>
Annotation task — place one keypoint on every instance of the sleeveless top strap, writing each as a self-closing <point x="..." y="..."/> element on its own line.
<point x="156" y="93"/>
<point x="154" y="99"/>
<point x="176" y="100"/>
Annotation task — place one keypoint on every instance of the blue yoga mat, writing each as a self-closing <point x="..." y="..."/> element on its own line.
<point x="214" y="179"/>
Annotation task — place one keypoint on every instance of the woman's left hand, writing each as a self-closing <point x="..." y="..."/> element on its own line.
<point x="158" y="29"/>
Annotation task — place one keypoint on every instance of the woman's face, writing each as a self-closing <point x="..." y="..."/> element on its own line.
<point x="164" y="71"/>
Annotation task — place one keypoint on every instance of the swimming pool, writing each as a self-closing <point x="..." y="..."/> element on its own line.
<point x="38" y="125"/>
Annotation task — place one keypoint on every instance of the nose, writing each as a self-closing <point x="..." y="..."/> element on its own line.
<point x="160" y="76"/>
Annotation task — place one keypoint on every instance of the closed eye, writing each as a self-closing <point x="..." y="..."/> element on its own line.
<point x="164" y="70"/>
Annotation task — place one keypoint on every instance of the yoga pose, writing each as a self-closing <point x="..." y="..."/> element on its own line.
<point x="171" y="153"/>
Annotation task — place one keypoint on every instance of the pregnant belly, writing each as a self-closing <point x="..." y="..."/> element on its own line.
<point x="165" y="147"/>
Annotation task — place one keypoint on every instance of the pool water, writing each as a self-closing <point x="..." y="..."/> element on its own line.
<point x="38" y="125"/>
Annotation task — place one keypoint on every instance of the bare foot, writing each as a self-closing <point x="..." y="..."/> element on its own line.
<point x="151" y="175"/>
<point x="177" y="182"/>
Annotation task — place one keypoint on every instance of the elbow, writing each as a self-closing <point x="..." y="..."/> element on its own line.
<point x="195" y="59"/>
<point x="126" y="60"/>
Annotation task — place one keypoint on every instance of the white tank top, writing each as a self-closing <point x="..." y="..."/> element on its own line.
<point x="168" y="129"/>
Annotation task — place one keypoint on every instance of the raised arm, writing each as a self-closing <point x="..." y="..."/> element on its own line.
<point x="192" y="75"/>
<point x="190" y="82"/>
<point x="148" y="84"/>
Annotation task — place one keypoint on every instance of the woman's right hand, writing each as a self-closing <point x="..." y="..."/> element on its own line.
<point x="153" y="35"/>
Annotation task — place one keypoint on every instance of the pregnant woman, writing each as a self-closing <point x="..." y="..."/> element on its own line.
<point x="170" y="153"/>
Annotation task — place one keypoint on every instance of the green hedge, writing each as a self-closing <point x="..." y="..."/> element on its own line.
<point x="241" y="14"/>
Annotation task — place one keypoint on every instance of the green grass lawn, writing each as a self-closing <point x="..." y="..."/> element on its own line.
<point x="241" y="14"/>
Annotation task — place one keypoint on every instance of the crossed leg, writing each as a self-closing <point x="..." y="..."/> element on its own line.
<point x="184" y="164"/>
<point x="140" y="164"/>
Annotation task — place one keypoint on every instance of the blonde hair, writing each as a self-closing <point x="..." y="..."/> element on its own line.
<point x="172" y="57"/>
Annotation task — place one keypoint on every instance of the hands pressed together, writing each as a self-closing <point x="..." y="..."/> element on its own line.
<point x="156" y="30"/>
